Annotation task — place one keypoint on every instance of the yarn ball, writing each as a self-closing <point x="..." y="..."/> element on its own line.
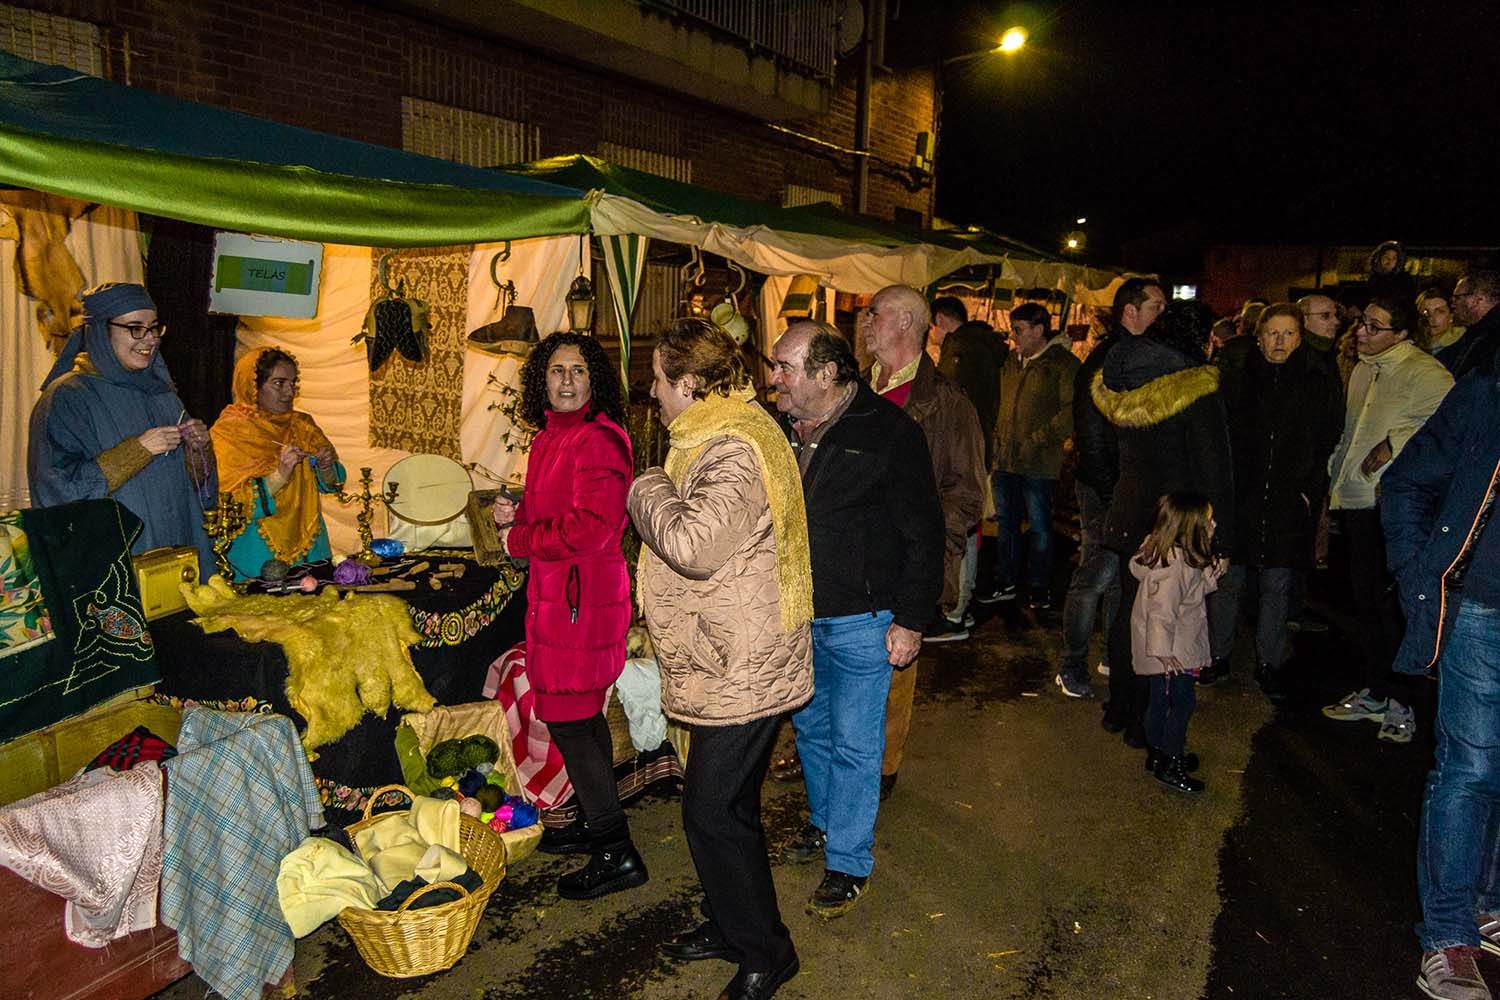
<point x="505" y="812"/>
<point x="309" y="584"/>
<point x="274" y="570"/>
<point x="497" y="824"/>
<point x="388" y="548"/>
<point x="486" y="817"/>
<point x="484" y="768"/>
<point x="470" y="782"/>
<point x="523" y="815"/>
<point x="480" y="750"/>
<point x="443" y="794"/>
<point x="496" y="778"/>
<point x="446" y="759"/>
<point x="352" y="572"/>
<point x="490" y="797"/>
<point x="470" y="807"/>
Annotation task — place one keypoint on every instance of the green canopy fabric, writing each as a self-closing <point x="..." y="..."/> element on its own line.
<point x="79" y="136"/>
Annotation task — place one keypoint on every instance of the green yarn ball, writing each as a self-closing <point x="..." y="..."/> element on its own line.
<point x="480" y="750"/>
<point x="490" y="798"/>
<point x="446" y="759"/>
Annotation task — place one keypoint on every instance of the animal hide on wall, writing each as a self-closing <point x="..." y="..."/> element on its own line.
<point x="45" y="271"/>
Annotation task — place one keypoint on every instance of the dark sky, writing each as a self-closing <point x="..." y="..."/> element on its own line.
<point x="1175" y="125"/>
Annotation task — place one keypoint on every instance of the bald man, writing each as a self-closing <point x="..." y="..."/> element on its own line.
<point x="895" y="330"/>
<point x="1320" y="322"/>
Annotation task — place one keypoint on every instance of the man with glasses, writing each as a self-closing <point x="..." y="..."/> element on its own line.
<point x="1474" y="300"/>
<point x="1394" y="388"/>
<point x="1320" y="324"/>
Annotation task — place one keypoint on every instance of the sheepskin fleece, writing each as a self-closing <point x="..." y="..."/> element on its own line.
<point x="345" y="655"/>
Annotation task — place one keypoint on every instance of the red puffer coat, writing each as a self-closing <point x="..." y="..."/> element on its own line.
<point x="569" y="525"/>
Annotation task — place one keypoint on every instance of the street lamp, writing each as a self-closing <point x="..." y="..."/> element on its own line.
<point x="1014" y="40"/>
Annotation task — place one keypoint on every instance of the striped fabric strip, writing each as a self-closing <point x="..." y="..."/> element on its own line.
<point x="624" y="260"/>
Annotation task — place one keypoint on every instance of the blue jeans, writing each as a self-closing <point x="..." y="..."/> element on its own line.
<point x="1458" y="851"/>
<point x="1094" y="586"/>
<point x="1274" y="586"/>
<point x="1017" y="497"/>
<point x="841" y="735"/>
<point x="968" y="573"/>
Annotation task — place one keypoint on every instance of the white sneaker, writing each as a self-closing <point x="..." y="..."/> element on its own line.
<point x="1357" y="705"/>
<point x="1399" y="725"/>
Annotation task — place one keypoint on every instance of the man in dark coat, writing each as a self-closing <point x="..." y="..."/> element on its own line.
<point x="1475" y="299"/>
<point x="1436" y="505"/>
<point x="1163" y="402"/>
<point x="1095" y="581"/>
<point x="1286" y="407"/>
<point x="971" y="354"/>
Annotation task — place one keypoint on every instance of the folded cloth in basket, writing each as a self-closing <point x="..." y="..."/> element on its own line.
<point x="395" y="846"/>
<point x="319" y="879"/>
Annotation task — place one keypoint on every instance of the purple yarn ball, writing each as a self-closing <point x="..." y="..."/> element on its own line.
<point x="351" y="572"/>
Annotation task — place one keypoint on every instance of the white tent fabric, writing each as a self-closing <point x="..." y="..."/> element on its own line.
<point x="106" y="245"/>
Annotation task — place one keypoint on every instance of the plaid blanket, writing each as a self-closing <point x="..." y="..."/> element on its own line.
<point x="240" y="797"/>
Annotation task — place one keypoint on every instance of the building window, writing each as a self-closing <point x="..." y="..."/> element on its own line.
<point x="47" y="38"/>
<point x="677" y="168"/>
<point x="470" y="137"/>
<point x="797" y="195"/>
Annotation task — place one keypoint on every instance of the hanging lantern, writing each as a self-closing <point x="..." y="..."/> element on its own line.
<point x="580" y="300"/>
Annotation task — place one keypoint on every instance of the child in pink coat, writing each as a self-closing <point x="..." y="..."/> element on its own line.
<point x="1169" y="628"/>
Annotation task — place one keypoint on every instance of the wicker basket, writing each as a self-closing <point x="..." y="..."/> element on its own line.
<point x="405" y="942"/>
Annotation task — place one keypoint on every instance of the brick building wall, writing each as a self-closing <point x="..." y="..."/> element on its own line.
<point x="343" y="68"/>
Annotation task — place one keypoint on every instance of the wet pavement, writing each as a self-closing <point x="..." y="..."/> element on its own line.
<point x="1024" y="854"/>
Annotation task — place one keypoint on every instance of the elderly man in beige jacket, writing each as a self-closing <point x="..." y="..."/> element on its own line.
<point x="1394" y="388"/>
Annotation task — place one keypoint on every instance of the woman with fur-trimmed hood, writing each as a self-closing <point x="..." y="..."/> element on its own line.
<point x="1162" y="397"/>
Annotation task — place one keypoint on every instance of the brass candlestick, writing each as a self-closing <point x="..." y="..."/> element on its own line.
<point x="367" y="499"/>
<point x="224" y="524"/>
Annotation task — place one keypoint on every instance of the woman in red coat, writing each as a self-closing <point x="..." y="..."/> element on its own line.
<point x="569" y="525"/>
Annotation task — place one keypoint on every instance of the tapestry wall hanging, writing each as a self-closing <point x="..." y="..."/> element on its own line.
<point x="415" y="407"/>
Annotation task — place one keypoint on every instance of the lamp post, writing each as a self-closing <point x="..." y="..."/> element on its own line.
<point x="1013" y="41"/>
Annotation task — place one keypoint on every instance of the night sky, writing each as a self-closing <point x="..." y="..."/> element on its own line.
<point x="1176" y="125"/>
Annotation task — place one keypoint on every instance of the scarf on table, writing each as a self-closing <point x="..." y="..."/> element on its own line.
<point x="247" y="441"/>
<point x="739" y="417"/>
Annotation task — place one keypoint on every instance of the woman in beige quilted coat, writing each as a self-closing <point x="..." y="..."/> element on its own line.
<point x="726" y="587"/>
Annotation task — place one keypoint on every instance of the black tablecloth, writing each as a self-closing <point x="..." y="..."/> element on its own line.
<point x="468" y="623"/>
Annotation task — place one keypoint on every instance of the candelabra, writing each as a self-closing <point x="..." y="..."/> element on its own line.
<point x="224" y="524"/>
<point x="367" y="499"/>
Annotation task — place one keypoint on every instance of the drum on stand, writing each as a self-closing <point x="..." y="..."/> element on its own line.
<point x="432" y="492"/>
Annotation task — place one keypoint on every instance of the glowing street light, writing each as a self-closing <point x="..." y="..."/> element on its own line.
<point x="1081" y="220"/>
<point x="1013" y="40"/>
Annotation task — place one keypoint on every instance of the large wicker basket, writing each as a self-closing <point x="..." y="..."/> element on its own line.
<point x="406" y="942"/>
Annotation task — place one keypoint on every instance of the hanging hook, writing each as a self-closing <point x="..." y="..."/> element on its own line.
<point x="501" y="257"/>
<point x="383" y="273"/>
<point x="702" y="268"/>
<point x="741" y="286"/>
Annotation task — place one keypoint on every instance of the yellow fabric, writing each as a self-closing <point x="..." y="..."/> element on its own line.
<point x="739" y="416"/>
<point x="899" y="377"/>
<point x="454" y="722"/>
<point x="441" y="864"/>
<point x="318" y="879"/>
<point x="396" y="845"/>
<point x="247" y="444"/>
<point x="345" y="655"/>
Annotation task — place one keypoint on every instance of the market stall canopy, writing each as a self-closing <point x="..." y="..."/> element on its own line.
<point x="847" y="251"/>
<point x="70" y="134"/>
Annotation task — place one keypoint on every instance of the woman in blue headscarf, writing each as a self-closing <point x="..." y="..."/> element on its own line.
<point x="110" y="424"/>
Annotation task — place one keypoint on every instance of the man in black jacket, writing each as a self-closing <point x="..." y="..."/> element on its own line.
<point x="1475" y="301"/>
<point x="876" y="531"/>
<point x="1138" y="301"/>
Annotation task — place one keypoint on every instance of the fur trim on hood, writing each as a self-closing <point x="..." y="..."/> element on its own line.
<point x="1159" y="399"/>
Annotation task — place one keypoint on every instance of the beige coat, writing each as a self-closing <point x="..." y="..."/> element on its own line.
<point x="712" y="602"/>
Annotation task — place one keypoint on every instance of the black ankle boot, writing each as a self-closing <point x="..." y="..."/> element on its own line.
<point x="1155" y="759"/>
<point x="611" y="868"/>
<point x="1217" y="670"/>
<point x="1173" y="774"/>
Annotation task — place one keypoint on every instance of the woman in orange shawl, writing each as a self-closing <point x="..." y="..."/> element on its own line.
<point x="275" y="461"/>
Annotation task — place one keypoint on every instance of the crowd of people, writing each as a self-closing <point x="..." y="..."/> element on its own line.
<point x="793" y="563"/>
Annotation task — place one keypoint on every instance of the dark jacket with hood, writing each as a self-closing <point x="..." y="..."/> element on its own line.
<point x="971" y="356"/>
<point x="1169" y="424"/>
<point x="1284" y="422"/>
<point x="1093" y="436"/>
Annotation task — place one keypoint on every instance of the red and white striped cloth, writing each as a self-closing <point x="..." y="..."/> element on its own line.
<point x="538" y="761"/>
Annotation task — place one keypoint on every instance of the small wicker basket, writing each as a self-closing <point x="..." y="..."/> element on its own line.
<point x="405" y="942"/>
